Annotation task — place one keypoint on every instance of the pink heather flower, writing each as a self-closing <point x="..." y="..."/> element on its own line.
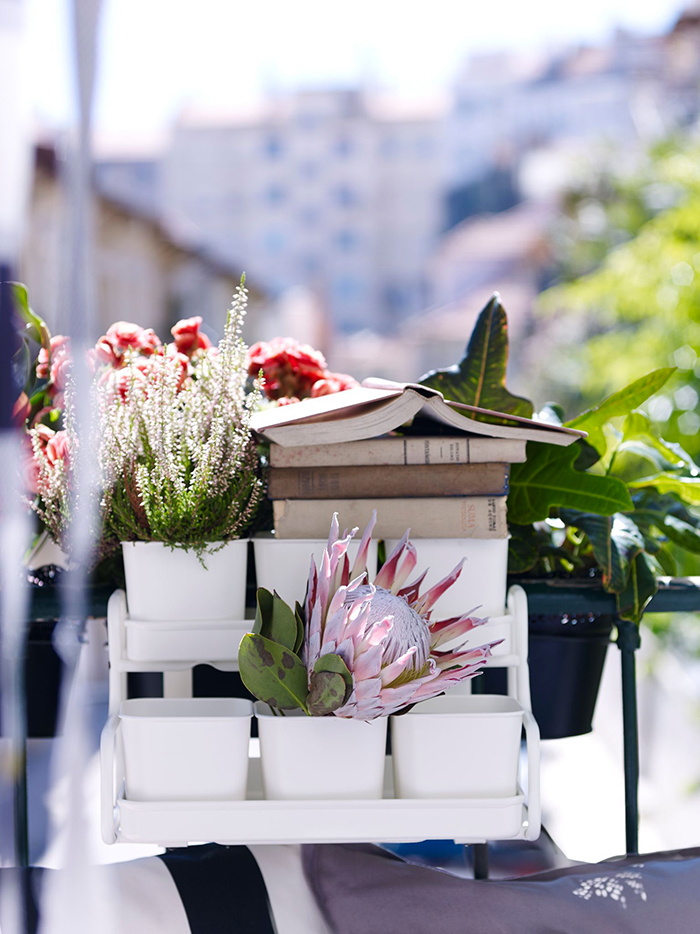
<point x="383" y="631"/>
<point x="333" y="382"/>
<point x="60" y="348"/>
<point x="188" y="337"/>
<point x="57" y="448"/>
<point x="290" y="369"/>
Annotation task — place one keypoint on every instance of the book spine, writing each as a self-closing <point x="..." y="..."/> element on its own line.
<point x="482" y="517"/>
<point x="411" y="481"/>
<point x="408" y="451"/>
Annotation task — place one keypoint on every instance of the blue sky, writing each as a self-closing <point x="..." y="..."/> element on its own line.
<point x="157" y="55"/>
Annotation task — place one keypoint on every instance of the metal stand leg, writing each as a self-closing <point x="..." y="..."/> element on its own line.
<point x="628" y="641"/>
<point x="480" y="853"/>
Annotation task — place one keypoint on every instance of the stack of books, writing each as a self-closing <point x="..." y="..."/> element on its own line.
<point x="334" y="454"/>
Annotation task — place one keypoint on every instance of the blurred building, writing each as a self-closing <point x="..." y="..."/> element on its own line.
<point x="143" y="272"/>
<point x="362" y="201"/>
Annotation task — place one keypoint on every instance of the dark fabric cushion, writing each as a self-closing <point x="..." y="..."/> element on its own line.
<point x="361" y="888"/>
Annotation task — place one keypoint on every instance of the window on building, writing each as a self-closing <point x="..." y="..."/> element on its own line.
<point x="343" y="147"/>
<point x="274" y="147"/>
<point x="345" y="196"/>
<point x="347" y="288"/>
<point x="274" y="241"/>
<point x="275" y="194"/>
<point x="347" y="239"/>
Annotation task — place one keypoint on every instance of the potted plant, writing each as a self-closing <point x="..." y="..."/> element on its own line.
<point x="609" y="510"/>
<point x="180" y="477"/>
<point x="354" y="653"/>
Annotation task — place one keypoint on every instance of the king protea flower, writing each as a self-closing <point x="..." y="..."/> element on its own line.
<point x="383" y="630"/>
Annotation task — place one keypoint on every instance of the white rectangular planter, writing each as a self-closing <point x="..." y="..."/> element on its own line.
<point x="184" y="641"/>
<point x="192" y="749"/>
<point x="283" y="564"/>
<point x="167" y="584"/>
<point x="328" y="758"/>
<point x="482" y="581"/>
<point x="458" y="746"/>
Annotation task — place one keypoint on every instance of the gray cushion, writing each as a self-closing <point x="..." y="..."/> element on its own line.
<point x="364" y="888"/>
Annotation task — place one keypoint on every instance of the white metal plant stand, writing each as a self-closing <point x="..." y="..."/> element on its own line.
<point x="175" y="649"/>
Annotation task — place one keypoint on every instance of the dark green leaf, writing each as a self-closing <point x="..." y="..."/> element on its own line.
<point x="618" y="404"/>
<point x="679" y="532"/>
<point x="588" y="455"/>
<point x="686" y="489"/>
<point x="327" y="693"/>
<point x="299" y="617"/>
<point x="641" y="587"/>
<point x="615" y="541"/>
<point x="275" y="620"/>
<point x="666" y="560"/>
<point x="480" y="377"/>
<point x="335" y="663"/>
<point x="548" y="478"/>
<point x="272" y="673"/>
<point x="523" y="550"/>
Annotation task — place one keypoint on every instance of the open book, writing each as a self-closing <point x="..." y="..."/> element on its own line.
<point x="379" y="406"/>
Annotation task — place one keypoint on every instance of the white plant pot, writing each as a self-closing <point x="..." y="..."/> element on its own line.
<point x="283" y="564"/>
<point x="166" y="584"/>
<point x="458" y="747"/>
<point x="190" y="749"/>
<point x="325" y="758"/>
<point x="482" y="581"/>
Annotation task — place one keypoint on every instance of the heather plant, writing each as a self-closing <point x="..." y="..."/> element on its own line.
<point x="177" y="461"/>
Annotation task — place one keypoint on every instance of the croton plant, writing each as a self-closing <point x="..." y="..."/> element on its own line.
<point x="618" y="504"/>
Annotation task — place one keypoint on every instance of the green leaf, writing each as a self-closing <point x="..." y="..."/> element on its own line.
<point x="21" y="297"/>
<point x="480" y="377"/>
<point x="687" y="489"/>
<point x="299" y="617"/>
<point x="275" y="620"/>
<point x="523" y="550"/>
<point x="333" y="662"/>
<point x="615" y="540"/>
<point x="641" y="587"/>
<point x="272" y="673"/>
<point x="679" y="532"/>
<point x="638" y="426"/>
<point x="327" y="693"/>
<point x="618" y="404"/>
<point x="548" y="478"/>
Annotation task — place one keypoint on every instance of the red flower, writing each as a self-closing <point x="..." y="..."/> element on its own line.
<point x="289" y="368"/>
<point x="123" y="335"/>
<point x="188" y="337"/>
<point x="333" y="382"/>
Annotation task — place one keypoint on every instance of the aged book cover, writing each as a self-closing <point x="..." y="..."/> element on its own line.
<point x="392" y="482"/>
<point x="434" y="517"/>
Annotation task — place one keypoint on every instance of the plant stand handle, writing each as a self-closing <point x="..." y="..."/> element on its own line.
<point x="628" y="641"/>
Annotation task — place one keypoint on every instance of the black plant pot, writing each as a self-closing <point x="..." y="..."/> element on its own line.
<point x="566" y="658"/>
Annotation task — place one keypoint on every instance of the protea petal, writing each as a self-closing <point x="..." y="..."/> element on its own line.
<point x="429" y="599"/>
<point x="369" y="664"/>
<point x="360" y="564"/>
<point x="334" y="532"/>
<point x="405" y="569"/>
<point x="449" y="629"/>
<point x="376" y="634"/>
<point x="385" y="578"/>
<point x="410" y="593"/>
<point x="392" y="671"/>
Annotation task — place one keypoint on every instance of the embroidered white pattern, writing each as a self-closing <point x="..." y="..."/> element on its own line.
<point x="613" y="886"/>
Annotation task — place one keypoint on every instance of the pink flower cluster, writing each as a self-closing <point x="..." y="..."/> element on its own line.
<point x="122" y="360"/>
<point x="294" y="371"/>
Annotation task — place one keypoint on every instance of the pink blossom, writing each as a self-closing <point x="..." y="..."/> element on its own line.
<point x="29" y="466"/>
<point x="59" y="347"/>
<point x="333" y="382"/>
<point x="57" y="448"/>
<point x="290" y="369"/>
<point x="149" y="342"/>
<point x="124" y="335"/>
<point x="21" y="409"/>
<point x="188" y="337"/>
